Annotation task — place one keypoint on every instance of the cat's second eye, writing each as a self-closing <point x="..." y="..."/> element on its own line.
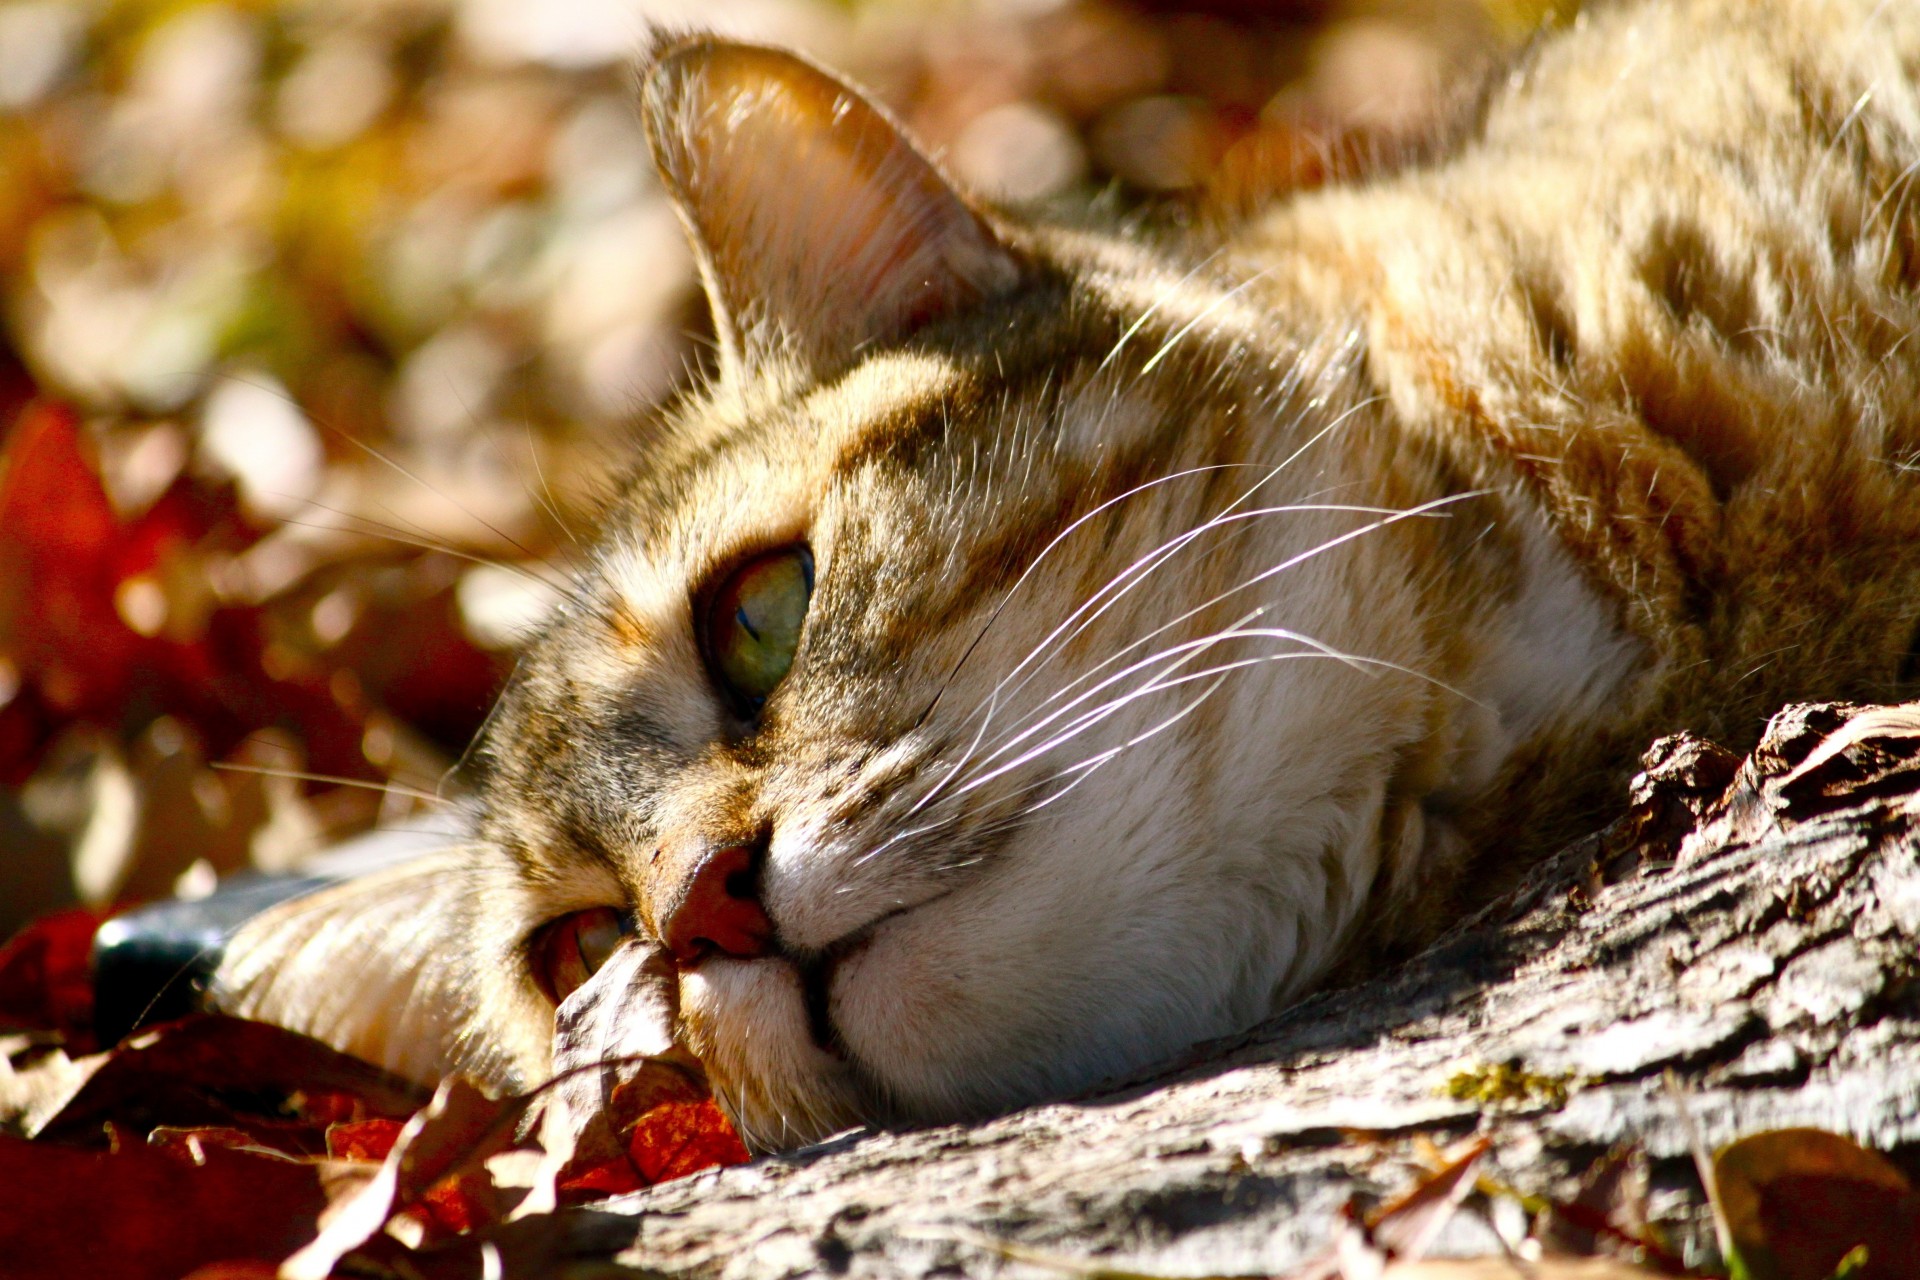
<point x="568" y="951"/>
<point x="751" y="625"/>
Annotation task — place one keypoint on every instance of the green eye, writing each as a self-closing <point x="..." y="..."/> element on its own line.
<point x="753" y="621"/>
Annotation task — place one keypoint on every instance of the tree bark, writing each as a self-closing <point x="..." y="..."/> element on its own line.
<point x="1747" y="926"/>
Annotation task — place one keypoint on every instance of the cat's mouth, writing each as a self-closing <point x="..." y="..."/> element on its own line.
<point x="816" y="996"/>
<point x="769" y="1034"/>
<point x="816" y="972"/>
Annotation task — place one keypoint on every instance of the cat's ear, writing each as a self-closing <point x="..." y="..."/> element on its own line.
<point x="820" y="228"/>
<point x="392" y="968"/>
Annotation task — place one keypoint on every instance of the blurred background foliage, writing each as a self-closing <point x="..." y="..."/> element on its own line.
<point x="322" y="320"/>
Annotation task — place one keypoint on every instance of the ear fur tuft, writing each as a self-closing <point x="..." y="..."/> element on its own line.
<point x="820" y="228"/>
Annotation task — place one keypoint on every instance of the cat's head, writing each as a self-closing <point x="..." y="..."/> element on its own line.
<point x="957" y="707"/>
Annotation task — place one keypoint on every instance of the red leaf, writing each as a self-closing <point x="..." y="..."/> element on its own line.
<point x="57" y="576"/>
<point x="448" y="1138"/>
<point x="45" y="983"/>
<point x="675" y="1139"/>
<point x="64" y="562"/>
<point x="362" y="1139"/>
<point x="143" y="1214"/>
<point x="459" y="1203"/>
<point x="612" y="1178"/>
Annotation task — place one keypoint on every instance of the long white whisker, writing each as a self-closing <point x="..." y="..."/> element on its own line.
<point x="1165" y="552"/>
<point x="1208" y="310"/>
<point x="1029" y="571"/>
<point x="1173" y="657"/>
<point x="1172" y="293"/>
<point x="1172" y="545"/>
<point x="1290" y="562"/>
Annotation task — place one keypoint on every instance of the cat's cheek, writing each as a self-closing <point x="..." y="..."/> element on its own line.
<point x="746" y="1021"/>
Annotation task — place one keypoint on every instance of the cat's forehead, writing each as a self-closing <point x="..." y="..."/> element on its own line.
<point x="744" y="474"/>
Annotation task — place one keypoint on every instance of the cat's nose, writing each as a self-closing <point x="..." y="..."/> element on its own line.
<point x="717" y="909"/>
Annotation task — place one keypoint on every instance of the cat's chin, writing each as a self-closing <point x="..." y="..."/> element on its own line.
<point x="746" y="1020"/>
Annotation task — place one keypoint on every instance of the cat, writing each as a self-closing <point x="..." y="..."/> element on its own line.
<point x="1043" y="648"/>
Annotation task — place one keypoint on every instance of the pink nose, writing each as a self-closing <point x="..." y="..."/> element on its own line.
<point x="717" y="910"/>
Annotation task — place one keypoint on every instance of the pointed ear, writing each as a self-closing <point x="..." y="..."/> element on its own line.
<point x="818" y="225"/>
<point x="394" y="968"/>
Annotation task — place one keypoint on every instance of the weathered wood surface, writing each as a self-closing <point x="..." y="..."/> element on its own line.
<point x="1753" y="931"/>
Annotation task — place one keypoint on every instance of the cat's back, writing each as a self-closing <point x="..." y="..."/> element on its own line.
<point x="1667" y="284"/>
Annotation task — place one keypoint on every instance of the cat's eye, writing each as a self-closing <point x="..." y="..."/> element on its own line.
<point x="750" y="628"/>
<point x="568" y="951"/>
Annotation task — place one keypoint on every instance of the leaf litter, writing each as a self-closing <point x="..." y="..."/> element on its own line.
<point x="165" y="610"/>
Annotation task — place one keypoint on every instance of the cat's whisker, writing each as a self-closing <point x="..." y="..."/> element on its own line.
<point x="1273" y="470"/>
<point x="480" y="733"/>
<point x="1173" y="291"/>
<point x="559" y="582"/>
<point x="300" y="775"/>
<point x="1174" y="544"/>
<point x="372" y="528"/>
<point x="1174" y="657"/>
<point x="1084" y="769"/>
<point x="1205" y="312"/>
<point x="1283" y="566"/>
<point x="1028" y="573"/>
<point x="545" y="497"/>
<point x="1141" y="567"/>
<point x="282" y="394"/>
<point x="1173" y="547"/>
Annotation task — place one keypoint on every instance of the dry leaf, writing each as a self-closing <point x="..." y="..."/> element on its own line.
<point x="190" y="1072"/>
<point x="1797" y="1201"/>
<point x="459" y="1129"/>
<point x="144" y="1213"/>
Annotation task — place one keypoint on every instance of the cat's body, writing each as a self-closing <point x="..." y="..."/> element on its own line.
<point x="1178" y="621"/>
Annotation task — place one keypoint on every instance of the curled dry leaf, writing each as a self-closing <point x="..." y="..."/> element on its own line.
<point x="617" y="1027"/>
<point x="1403" y="1228"/>
<point x="1407" y="1227"/>
<point x="629" y="1107"/>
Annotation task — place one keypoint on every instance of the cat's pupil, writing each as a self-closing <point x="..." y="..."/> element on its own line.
<point x="753" y="623"/>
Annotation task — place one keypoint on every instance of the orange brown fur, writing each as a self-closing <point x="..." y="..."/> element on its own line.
<point x="1457" y="484"/>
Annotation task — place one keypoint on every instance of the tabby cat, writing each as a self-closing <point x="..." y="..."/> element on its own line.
<point x="1040" y="649"/>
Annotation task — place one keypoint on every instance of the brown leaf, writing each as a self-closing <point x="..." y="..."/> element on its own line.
<point x="194" y="1071"/>
<point x="1798" y="1200"/>
<point x="1407" y="1226"/>
<point x="1607" y="1215"/>
<point x="616" y="1028"/>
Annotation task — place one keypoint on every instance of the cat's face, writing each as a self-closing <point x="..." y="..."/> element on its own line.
<point x="925" y="707"/>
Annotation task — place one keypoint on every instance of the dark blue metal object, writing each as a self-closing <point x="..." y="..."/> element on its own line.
<point x="155" y="963"/>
